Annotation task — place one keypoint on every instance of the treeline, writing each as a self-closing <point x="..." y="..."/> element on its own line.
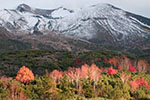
<point x="39" y="60"/>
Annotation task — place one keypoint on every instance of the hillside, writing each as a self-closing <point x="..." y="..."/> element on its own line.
<point x="8" y="41"/>
<point x="40" y="60"/>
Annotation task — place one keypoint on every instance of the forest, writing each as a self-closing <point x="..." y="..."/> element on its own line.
<point x="99" y="75"/>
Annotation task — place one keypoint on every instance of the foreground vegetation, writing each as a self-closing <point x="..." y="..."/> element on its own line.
<point x="110" y="76"/>
<point x="121" y="81"/>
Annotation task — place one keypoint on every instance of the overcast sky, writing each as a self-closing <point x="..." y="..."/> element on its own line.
<point x="141" y="7"/>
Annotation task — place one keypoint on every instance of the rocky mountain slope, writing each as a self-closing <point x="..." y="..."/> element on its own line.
<point x="48" y="41"/>
<point x="103" y="24"/>
<point x="103" y="20"/>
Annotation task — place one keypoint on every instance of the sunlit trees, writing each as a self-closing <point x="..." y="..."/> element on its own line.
<point x="124" y="77"/>
<point x="85" y="71"/>
<point x="87" y="81"/>
<point x="24" y="75"/>
<point x="56" y="75"/>
<point x="94" y="72"/>
<point x="142" y="66"/>
<point x="76" y="74"/>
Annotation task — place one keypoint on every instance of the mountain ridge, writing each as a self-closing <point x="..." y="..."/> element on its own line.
<point x="102" y="24"/>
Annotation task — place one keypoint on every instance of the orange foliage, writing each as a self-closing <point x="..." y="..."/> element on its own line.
<point x="4" y="78"/>
<point x="134" y="85"/>
<point x="73" y="73"/>
<point x="94" y="72"/>
<point x="84" y="71"/>
<point x="56" y="75"/>
<point x="24" y="75"/>
<point x="16" y="93"/>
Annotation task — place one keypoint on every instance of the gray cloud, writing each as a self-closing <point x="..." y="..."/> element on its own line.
<point x="137" y="6"/>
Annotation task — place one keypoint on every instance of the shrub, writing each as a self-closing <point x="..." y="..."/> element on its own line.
<point x="42" y="88"/>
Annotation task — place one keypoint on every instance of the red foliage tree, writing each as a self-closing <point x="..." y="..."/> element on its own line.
<point x="132" y="69"/>
<point x="76" y="62"/>
<point x="112" y="71"/>
<point x="139" y="82"/>
<point x="24" y="75"/>
<point x="105" y="59"/>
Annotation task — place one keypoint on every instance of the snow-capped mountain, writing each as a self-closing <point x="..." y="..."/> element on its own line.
<point x="97" y="23"/>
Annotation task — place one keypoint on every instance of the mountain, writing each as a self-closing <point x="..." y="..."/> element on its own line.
<point x="4" y="34"/>
<point x="48" y="41"/>
<point x="8" y="41"/>
<point x="27" y="19"/>
<point x="102" y="24"/>
<point x="86" y="23"/>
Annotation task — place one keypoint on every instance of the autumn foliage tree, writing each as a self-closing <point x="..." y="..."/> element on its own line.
<point x="56" y="75"/>
<point x="112" y="71"/>
<point x="124" y="61"/>
<point x="142" y="66"/>
<point x="113" y="61"/>
<point x="24" y="75"/>
<point x="135" y="84"/>
<point x="132" y="69"/>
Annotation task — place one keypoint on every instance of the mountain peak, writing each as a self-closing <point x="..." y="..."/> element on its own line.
<point x="105" y="6"/>
<point x="24" y="7"/>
